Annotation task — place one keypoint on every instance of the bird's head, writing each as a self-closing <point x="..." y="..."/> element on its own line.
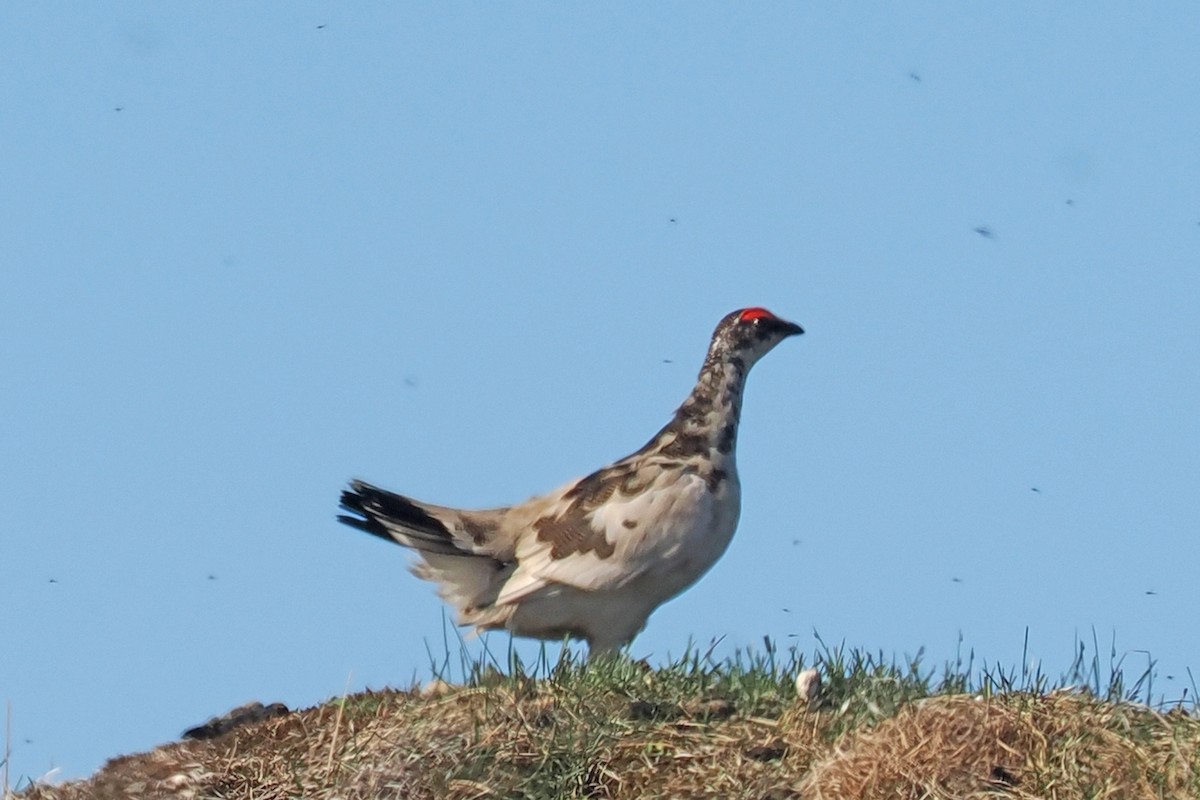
<point x="749" y="334"/>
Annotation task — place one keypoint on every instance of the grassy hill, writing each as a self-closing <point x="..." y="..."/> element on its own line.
<point x="694" y="728"/>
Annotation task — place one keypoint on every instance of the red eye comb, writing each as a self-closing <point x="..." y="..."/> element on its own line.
<point x="755" y="313"/>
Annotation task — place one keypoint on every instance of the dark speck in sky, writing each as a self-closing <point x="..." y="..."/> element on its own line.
<point x="985" y="232"/>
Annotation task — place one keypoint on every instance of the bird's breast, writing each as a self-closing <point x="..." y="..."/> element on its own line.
<point x="691" y="533"/>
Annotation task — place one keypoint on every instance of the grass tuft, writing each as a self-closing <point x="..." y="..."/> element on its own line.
<point x="697" y="726"/>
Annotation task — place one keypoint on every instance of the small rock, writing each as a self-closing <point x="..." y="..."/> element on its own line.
<point x="808" y="687"/>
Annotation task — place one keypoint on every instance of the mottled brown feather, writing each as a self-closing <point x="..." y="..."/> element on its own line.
<point x="572" y="534"/>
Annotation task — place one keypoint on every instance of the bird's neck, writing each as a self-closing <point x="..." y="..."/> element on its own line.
<point x="707" y="422"/>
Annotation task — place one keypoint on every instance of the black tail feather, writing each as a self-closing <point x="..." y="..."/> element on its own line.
<point x="379" y="511"/>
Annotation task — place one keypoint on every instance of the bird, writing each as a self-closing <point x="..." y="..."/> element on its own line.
<point x="594" y="558"/>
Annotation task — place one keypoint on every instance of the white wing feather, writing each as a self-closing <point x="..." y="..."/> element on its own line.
<point x="677" y="514"/>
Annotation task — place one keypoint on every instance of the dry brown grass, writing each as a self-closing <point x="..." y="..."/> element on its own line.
<point x="636" y="739"/>
<point x="1018" y="746"/>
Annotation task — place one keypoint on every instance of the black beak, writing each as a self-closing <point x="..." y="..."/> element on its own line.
<point x="790" y="328"/>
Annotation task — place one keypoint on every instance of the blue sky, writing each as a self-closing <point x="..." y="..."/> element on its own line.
<point x="471" y="251"/>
